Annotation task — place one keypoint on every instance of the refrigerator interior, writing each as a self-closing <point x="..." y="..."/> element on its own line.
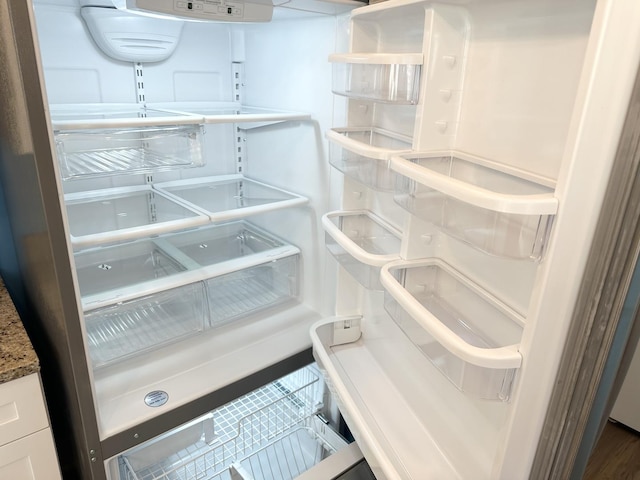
<point x="195" y="222"/>
<point x="454" y="191"/>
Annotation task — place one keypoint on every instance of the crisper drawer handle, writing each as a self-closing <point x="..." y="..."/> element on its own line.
<point x="354" y="250"/>
<point x="498" y="358"/>
<point x="362" y="148"/>
<point x="541" y="204"/>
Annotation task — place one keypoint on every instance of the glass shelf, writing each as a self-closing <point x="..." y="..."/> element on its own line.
<point x="230" y="112"/>
<point x="112" y="215"/>
<point x="230" y="197"/>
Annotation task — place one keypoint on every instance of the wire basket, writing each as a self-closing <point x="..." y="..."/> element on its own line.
<point x="247" y="426"/>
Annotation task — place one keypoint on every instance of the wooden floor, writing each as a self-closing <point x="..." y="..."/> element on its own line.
<point x="616" y="456"/>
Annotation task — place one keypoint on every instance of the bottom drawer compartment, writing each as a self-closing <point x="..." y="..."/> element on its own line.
<point x="271" y="433"/>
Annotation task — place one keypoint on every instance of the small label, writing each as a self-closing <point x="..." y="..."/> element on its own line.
<point x="157" y="398"/>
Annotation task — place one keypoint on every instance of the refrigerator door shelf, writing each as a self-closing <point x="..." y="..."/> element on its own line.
<point x="361" y="242"/>
<point x="381" y="77"/>
<point x="408" y="420"/>
<point x="497" y="210"/>
<point x="123" y="272"/>
<point x="117" y="214"/>
<point x="469" y="335"/>
<point x="363" y="154"/>
<point x="93" y="153"/>
<point x="229" y="197"/>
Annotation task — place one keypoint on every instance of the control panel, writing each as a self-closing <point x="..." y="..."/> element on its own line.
<point x="211" y="7"/>
<point x="204" y="10"/>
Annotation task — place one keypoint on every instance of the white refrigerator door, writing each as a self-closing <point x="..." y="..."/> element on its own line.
<point x="485" y="91"/>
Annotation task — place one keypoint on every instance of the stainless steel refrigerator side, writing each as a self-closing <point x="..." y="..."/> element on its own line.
<point x="614" y="253"/>
<point x="33" y="205"/>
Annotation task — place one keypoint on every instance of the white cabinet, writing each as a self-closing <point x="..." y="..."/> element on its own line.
<point x="26" y="444"/>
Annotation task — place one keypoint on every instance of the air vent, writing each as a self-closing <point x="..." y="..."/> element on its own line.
<point x="132" y="38"/>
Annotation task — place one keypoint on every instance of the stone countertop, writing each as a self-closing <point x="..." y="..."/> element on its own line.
<point x="17" y="357"/>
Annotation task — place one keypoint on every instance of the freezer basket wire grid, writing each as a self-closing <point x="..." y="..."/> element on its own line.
<point x="265" y="434"/>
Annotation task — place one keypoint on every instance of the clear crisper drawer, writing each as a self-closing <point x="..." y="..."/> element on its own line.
<point x="109" y="268"/>
<point x="493" y="210"/>
<point x="363" y="153"/>
<point x="220" y="243"/>
<point x="124" y="269"/>
<point x="128" y="328"/>
<point x="231" y="197"/>
<point x="361" y="242"/>
<point x="470" y="336"/>
<point x="112" y="215"/>
<point x="248" y="291"/>
<point x="97" y="152"/>
<point x="387" y="78"/>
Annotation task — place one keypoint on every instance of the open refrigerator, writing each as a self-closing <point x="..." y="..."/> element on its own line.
<point x="405" y="192"/>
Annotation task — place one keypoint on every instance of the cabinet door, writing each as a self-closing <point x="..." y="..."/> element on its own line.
<point x="31" y="458"/>
<point x="22" y="409"/>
